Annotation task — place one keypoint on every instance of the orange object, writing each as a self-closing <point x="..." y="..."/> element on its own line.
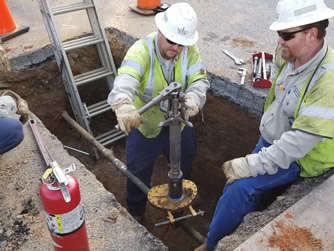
<point x="148" y="4"/>
<point x="7" y="23"/>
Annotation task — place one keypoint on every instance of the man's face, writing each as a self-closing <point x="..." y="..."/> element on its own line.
<point x="168" y="49"/>
<point x="293" y="43"/>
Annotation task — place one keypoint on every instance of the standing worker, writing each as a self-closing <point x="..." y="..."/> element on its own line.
<point x="297" y="126"/>
<point x="11" y="129"/>
<point x="150" y="65"/>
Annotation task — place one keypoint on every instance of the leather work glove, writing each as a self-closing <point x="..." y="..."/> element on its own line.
<point x="236" y="169"/>
<point x="127" y="116"/>
<point x="21" y="104"/>
<point x="190" y="108"/>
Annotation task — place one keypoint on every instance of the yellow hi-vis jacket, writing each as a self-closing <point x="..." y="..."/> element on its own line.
<point x="314" y="114"/>
<point x="141" y="62"/>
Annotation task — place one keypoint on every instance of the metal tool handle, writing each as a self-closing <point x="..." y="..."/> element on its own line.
<point x="237" y="61"/>
<point x="44" y="151"/>
<point x="256" y="60"/>
<point x="264" y="70"/>
<point x="243" y="76"/>
<point x="230" y="55"/>
<point x="174" y="86"/>
<point x="258" y="75"/>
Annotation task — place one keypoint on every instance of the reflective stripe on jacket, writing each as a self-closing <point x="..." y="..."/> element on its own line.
<point x="315" y="114"/>
<point x="141" y="62"/>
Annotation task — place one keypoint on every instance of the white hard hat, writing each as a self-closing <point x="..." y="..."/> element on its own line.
<point x="294" y="13"/>
<point x="178" y="24"/>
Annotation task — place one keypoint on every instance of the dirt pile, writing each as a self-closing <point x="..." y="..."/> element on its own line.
<point x="290" y="237"/>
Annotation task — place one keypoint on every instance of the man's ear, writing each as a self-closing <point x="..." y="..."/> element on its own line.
<point x="313" y="32"/>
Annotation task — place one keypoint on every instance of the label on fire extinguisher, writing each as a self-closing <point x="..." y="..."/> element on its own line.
<point x="65" y="223"/>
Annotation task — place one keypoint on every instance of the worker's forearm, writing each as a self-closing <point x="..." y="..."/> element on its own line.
<point x="199" y="89"/>
<point x="125" y="87"/>
<point x="292" y="146"/>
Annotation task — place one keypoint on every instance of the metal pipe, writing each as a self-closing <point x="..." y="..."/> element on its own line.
<point x="175" y="184"/>
<point x="200" y="238"/>
<point x="76" y="150"/>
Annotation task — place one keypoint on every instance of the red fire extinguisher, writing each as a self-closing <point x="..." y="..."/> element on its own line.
<point x="60" y="196"/>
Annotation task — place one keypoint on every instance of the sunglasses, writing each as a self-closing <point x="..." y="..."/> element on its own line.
<point x="286" y="36"/>
<point x="172" y="43"/>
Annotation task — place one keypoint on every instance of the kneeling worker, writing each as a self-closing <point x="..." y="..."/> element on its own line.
<point x="297" y="126"/>
<point x="11" y="129"/>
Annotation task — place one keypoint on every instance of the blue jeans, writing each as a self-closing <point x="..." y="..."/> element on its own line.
<point x="11" y="133"/>
<point x="244" y="196"/>
<point x="141" y="153"/>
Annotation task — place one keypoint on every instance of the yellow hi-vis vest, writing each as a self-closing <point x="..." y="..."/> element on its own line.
<point x="141" y="62"/>
<point x="315" y="114"/>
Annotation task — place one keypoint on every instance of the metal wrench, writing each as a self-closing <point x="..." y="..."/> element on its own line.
<point x="237" y="61"/>
<point x="162" y="95"/>
<point x="242" y="72"/>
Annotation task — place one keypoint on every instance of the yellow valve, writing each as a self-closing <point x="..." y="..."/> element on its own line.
<point x="170" y="217"/>
<point x="47" y="173"/>
<point x="192" y="211"/>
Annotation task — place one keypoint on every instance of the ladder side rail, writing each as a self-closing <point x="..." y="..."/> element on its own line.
<point x="53" y="38"/>
<point x="62" y="61"/>
<point x="80" y="109"/>
<point x="98" y="28"/>
<point x="103" y="55"/>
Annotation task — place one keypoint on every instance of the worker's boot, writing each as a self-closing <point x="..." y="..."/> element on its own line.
<point x="202" y="247"/>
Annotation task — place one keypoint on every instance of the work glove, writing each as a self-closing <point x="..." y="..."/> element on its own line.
<point x="190" y="107"/>
<point x="236" y="169"/>
<point x="21" y="106"/>
<point x="127" y="116"/>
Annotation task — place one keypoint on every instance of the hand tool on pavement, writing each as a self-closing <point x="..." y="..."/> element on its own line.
<point x="255" y="62"/>
<point x="258" y="75"/>
<point x="261" y="69"/>
<point x="264" y="70"/>
<point x="243" y="72"/>
<point x="237" y="61"/>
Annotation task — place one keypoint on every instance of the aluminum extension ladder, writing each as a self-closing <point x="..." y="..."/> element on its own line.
<point x="83" y="113"/>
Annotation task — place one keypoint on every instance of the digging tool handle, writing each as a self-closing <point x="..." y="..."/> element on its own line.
<point x="107" y="153"/>
<point x="42" y="148"/>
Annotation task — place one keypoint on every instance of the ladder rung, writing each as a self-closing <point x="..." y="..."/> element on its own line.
<point x="98" y="108"/>
<point x="71" y="7"/>
<point x="81" y="42"/>
<point x="110" y="137"/>
<point x="92" y="75"/>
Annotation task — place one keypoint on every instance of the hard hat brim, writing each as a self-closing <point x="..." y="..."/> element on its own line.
<point x="324" y="14"/>
<point x="179" y="39"/>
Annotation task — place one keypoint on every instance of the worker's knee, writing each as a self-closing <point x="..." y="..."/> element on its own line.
<point x="248" y="197"/>
<point x="11" y="134"/>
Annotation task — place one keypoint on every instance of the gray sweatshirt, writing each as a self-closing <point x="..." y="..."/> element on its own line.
<point x="275" y="127"/>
